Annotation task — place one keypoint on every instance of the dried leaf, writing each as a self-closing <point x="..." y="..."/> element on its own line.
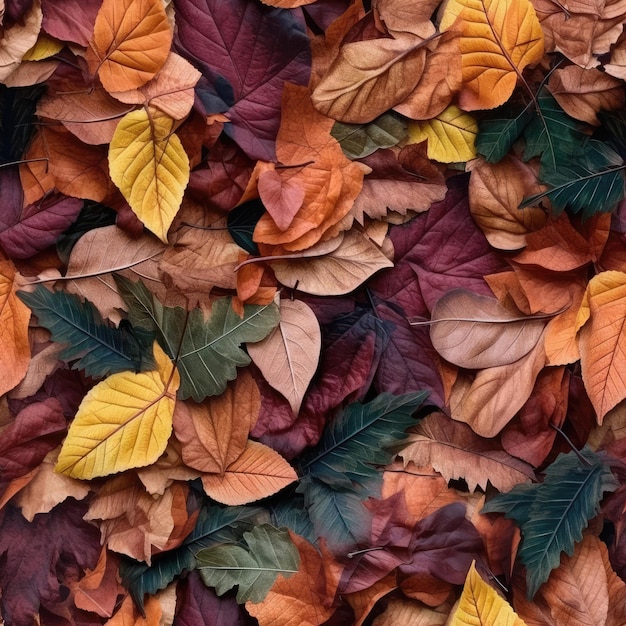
<point x="18" y="39"/>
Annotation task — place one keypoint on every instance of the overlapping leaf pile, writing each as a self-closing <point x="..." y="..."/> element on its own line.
<point x="313" y="312"/>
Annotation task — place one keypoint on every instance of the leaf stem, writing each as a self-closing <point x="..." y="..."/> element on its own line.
<point x="576" y="451"/>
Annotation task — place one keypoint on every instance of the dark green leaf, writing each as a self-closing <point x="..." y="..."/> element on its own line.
<point x="360" y="140"/>
<point x="241" y="222"/>
<point x="290" y="512"/>
<point x="612" y="130"/>
<point x="253" y="567"/>
<point x="498" y="133"/>
<point x="100" y="349"/>
<point x="215" y="525"/>
<point x="208" y="351"/>
<point x="515" y="504"/>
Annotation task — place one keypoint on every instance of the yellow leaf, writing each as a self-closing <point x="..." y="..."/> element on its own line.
<point x="499" y="38"/>
<point x="14" y="318"/>
<point x="603" y="341"/>
<point x="123" y="422"/>
<point x="131" y="41"/>
<point x="480" y="604"/>
<point x="44" y="48"/>
<point x="259" y="472"/>
<point x="451" y="135"/>
<point x="150" y="167"/>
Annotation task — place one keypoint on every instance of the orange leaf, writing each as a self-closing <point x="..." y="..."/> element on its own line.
<point x="215" y="433"/>
<point x="128" y="614"/>
<point x="603" y="342"/>
<point x="14" y="319"/>
<point x="259" y="472"/>
<point x="304" y="599"/>
<point x="405" y="612"/>
<point x="131" y="42"/>
<point x="362" y="602"/>
<point x="499" y="38"/>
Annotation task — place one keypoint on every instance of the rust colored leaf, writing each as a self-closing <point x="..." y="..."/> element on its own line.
<point x="455" y="451"/>
<point x="131" y="42"/>
<point x="215" y="433"/>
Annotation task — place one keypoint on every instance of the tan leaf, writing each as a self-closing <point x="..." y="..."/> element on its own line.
<point x="406" y="612"/>
<point x="582" y="93"/>
<point x="289" y="355"/>
<point x="18" y="39"/>
<point x="47" y="489"/>
<point x="259" y="472"/>
<point x="336" y="273"/>
<point x="495" y="192"/>
<point x="455" y="451"/>
<point x="171" y="90"/>
<point x="169" y="467"/>
<point x="370" y="77"/>
<point x="402" y="16"/>
<point x="476" y="332"/>
<point x="214" y="433"/>
<point x="489" y="400"/>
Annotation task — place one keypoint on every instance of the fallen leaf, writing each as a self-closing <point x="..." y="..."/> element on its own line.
<point x="123" y="422"/>
<point x="18" y="39"/>
<point x="71" y="21"/>
<point x="149" y="165"/>
<point x="130" y="43"/>
<point x="406" y="612"/>
<point x="289" y="355"/>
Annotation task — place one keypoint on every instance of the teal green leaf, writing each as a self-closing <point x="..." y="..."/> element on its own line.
<point x="99" y="349"/>
<point x="590" y="183"/>
<point x="241" y="222"/>
<point x="290" y="512"/>
<point x="208" y="351"/>
<point x="561" y="509"/>
<point x="215" y="525"/>
<point x="253" y="567"/>
<point x="515" y="504"/>
<point x="338" y="515"/>
<point x="496" y="134"/>
<point x="360" y="140"/>
<point x="359" y="438"/>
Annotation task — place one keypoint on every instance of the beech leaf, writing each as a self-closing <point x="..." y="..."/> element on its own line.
<point x="289" y="355"/>
<point x="476" y="332"/>
<point x="266" y="553"/>
<point x="123" y="422"/>
<point x="480" y="604"/>
<point x="131" y="41"/>
<point x="149" y="165"/>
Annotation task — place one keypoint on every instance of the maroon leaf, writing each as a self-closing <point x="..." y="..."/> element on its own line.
<point x="247" y="52"/>
<point x="40" y="558"/>
<point x="70" y="20"/>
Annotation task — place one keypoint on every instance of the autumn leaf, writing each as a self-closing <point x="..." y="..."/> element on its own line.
<point x="18" y="39"/>
<point x="123" y="422"/>
<point x="451" y="135"/>
<point x="149" y="165"/>
<point x="498" y="40"/>
<point x="480" y="603"/>
<point x="14" y="318"/>
<point x="131" y="41"/>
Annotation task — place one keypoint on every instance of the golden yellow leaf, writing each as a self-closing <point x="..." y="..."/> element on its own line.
<point x="131" y="41"/>
<point x="123" y="422"/>
<point x="45" y="47"/>
<point x="499" y="38"/>
<point x="14" y="318"/>
<point x="603" y="341"/>
<point x="150" y="167"/>
<point x="259" y="472"/>
<point x="480" y="604"/>
<point x="451" y="135"/>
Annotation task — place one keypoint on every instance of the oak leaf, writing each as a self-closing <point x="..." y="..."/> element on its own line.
<point x="602" y="338"/>
<point x="289" y="355"/>
<point x="149" y="165"/>
<point x="130" y="43"/>
<point x="498" y="40"/>
<point x="123" y="422"/>
<point x="14" y="318"/>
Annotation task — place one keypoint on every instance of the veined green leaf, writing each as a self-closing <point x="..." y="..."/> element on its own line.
<point x="361" y="140"/>
<point x="215" y="525"/>
<point x="208" y="350"/>
<point x="254" y="566"/>
<point x="496" y="134"/>
<point x="100" y="349"/>
<point x="560" y="510"/>
<point x="291" y="513"/>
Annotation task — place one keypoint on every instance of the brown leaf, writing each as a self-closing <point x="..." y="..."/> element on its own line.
<point x="455" y="451"/>
<point x="495" y="192"/>
<point x="258" y="473"/>
<point x="215" y="433"/>
<point x="362" y="602"/>
<point x="406" y="612"/>
<point x="402" y="16"/>
<point x="489" y="400"/>
<point x="282" y="196"/>
<point x="335" y="273"/>
<point x="370" y="77"/>
<point x="289" y="355"/>
<point x="582" y="93"/>
<point x="128" y="614"/>
<point x="476" y="332"/>
<point x="18" y="39"/>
